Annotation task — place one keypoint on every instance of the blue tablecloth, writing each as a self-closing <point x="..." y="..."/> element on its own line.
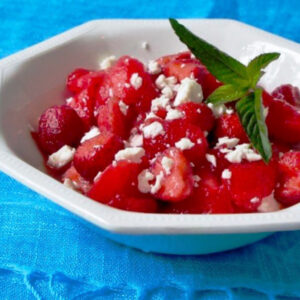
<point x="47" y="253"/>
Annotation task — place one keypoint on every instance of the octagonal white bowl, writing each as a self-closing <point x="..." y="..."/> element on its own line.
<point x="33" y="79"/>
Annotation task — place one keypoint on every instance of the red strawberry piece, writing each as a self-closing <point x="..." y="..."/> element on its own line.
<point x="289" y="163"/>
<point x="95" y="154"/>
<point x="76" y="180"/>
<point x="117" y="180"/>
<point x="230" y="125"/>
<point x="179" y="131"/>
<point x="165" y="60"/>
<point x="112" y="119"/>
<point x="121" y="79"/>
<point x="72" y="79"/>
<point x="176" y="182"/>
<point x="104" y="91"/>
<point x="83" y="104"/>
<point x="209" y="197"/>
<point x="288" y="93"/>
<point x="198" y="114"/>
<point x="283" y="120"/>
<point x="249" y="183"/>
<point x="183" y="68"/>
<point x="288" y="190"/>
<point x="59" y="126"/>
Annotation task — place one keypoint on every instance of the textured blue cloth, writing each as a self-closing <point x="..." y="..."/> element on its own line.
<point x="47" y="253"/>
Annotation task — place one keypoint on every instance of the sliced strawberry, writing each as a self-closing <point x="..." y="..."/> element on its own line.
<point x="289" y="163"/>
<point x="230" y="125"/>
<point x="116" y="180"/>
<point x="83" y="104"/>
<point x="283" y="120"/>
<point x="182" y="129"/>
<point x="95" y="154"/>
<point x="176" y="182"/>
<point x="112" y="119"/>
<point x="72" y="79"/>
<point x="165" y="60"/>
<point x="77" y="181"/>
<point x="288" y="190"/>
<point x="198" y="114"/>
<point x="104" y="92"/>
<point x="59" y="126"/>
<point x="288" y="93"/>
<point x="122" y="88"/>
<point x="249" y="183"/>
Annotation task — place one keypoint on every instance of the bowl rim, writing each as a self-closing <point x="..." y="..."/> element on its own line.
<point x="126" y="222"/>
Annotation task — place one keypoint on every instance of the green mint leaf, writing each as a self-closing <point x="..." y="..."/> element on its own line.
<point x="250" y="111"/>
<point x="226" y="93"/>
<point x="224" y="67"/>
<point x="258" y="63"/>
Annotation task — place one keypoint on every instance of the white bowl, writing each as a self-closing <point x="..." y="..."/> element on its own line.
<point x="33" y="79"/>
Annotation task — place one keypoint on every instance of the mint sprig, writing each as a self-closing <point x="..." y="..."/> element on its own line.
<point x="240" y="84"/>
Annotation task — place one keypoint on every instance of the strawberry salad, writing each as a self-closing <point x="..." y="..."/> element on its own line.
<point x="152" y="138"/>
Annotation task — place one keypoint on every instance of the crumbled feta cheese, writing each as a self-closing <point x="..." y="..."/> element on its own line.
<point x="70" y="184"/>
<point x="160" y="102"/>
<point x="136" y="140"/>
<point x="229" y="142"/>
<point x="154" y="67"/>
<point x="184" y="144"/>
<point x="151" y="115"/>
<point x="212" y="159"/>
<point x="107" y="62"/>
<point x="243" y="151"/>
<point x="153" y="130"/>
<point x="226" y="174"/>
<point x="163" y="81"/>
<point x="269" y="204"/>
<point x="168" y="92"/>
<point x="167" y="164"/>
<point x="97" y="176"/>
<point x="94" y="131"/>
<point x="219" y="110"/>
<point x="189" y="90"/>
<point x="144" y="179"/>
<point x="145" y="45"/>
<point x="61" y="157"/>
<point x="174" y="114"/>
<point x="133" y="154"/>
<point x="123" y="107"/>
<point x="136" y="81"/>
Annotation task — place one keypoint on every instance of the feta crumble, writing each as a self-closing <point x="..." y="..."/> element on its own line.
<point x="189" y="90"/>
<point x="229" y="142"/>
<point x="144" y="179"/>
<point x="136" y="140"/>
<point x="167" y="164"/>
<point x="153" y="130"/>
<point x="108" y="62"/>
<point x="154" y="67"/>
<point x="212" y="159"/>
<point x="226" y="174"/>
<point x="219" y="110"/>
<point x="133" y="154"/>
<point x="174" y="114"/>
<point x="94" y="131"/>
<point x="151" y="115"/>
<point x="163" y="81"/>
<point x="61" y="157"/>
<point x="184" y="144"/>
<point x="160" y="102"/>
<point x="243" y="151"/>
<point x="136" y="81"/>
<point x="123" y="107"/>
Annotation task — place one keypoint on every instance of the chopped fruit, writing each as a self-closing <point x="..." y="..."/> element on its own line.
<point x="117" y="180"/>
<point x="288" y="191"/>
<point x="198" y="114"/>
<point x="83" y="104"/>
<point x="72" y="80"/>
<point x="249" y="183"/>
<point x="95" y="154"/>
<point x="72" y="178"/>
<point x="59" y="126"/>
<point x="175" y="184"/>
<point x="188" y="138"/>
<point x="165" y="60"/>
<point x="289" y="163"/>
<point x="283" y="120"/>
<point x="230" y="125"/>
<point x="111" y="119"/>
<point x="288" y="93"/>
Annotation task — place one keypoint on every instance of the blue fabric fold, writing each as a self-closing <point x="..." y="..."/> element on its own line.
<point x="48" y="253"/>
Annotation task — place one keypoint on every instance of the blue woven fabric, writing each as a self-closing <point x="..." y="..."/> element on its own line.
<point x="47" y="253"/>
